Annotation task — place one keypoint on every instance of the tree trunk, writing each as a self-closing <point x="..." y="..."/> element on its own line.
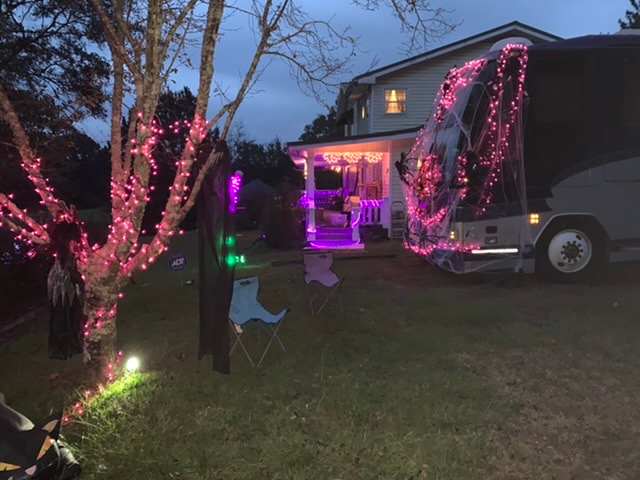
<point x="101" y="306"/>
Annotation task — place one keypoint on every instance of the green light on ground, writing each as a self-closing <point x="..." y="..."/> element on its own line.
<point x="233" y="260"/>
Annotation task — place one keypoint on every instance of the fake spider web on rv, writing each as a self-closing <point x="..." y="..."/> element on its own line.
<point x="468" y="156"/>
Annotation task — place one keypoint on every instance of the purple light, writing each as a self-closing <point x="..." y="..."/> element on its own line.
<point x="235" y="183"/>
<point x="356" y="220"/>
<point x="327" y="194"/>
<point x="303" y="202"/>
<point x="336" y="245"/>
<point x="369" y="203"/>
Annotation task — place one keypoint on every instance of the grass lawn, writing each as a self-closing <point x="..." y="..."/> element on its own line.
<point x="424" y="376"/>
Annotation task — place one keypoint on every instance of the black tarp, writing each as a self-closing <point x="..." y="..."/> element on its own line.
<point x="215" y="227"/>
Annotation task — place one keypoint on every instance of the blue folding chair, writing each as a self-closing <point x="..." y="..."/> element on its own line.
<point x="246" y="308"/>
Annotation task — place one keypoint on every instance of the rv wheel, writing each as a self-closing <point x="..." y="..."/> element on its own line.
<point x="571" y="250"/>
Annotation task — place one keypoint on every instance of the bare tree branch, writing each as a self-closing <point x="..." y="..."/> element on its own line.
<point x="30" y="163"/>
<point x="146" y="40"/>
<point x="115" y="43"/>
<point x="209" y="42"/>
<point x="31" y="230"/>
<point x="419" y="19"/>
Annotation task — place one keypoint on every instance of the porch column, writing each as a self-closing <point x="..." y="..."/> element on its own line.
<point x="310" y="175"/>
<point x="355" y="224"/>
<point x="356" y="207"/>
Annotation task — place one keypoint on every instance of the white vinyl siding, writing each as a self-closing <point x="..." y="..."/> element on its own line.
<point x="361" y="124"/>
<point x="386" y="176"/>
<point x="398" y="147"/>
<point x="421" y="83"/>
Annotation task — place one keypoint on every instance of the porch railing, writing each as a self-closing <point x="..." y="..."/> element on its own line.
<point x="372" y="211"/>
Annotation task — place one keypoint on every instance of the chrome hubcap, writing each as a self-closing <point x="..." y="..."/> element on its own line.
<point x="570" y="251"/>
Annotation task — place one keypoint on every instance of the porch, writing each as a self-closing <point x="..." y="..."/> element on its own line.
<point x="346" y="196"/>
<point x="366" y="200"/>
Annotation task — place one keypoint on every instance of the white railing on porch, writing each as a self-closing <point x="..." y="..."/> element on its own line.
<point x="372" y="212"/>
<point x="368" y="212"/>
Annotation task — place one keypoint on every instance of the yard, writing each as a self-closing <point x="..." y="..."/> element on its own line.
<point x="425" y="376"/>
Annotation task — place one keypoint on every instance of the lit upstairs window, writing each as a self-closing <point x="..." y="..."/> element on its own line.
<point x="395" y="101"/>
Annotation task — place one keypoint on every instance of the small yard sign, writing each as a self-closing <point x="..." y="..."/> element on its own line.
<point x="178" y="263"/>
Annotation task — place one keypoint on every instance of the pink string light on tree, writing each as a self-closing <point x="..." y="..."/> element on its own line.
<point x="106" y="268"/>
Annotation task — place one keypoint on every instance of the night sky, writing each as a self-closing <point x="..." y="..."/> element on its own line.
<point x="278" y="109"/>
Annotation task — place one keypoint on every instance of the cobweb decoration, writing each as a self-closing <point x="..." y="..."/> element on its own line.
<point x="483" y="150"/>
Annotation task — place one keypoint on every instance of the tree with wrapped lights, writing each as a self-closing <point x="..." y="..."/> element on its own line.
<point x="147" y="41"/>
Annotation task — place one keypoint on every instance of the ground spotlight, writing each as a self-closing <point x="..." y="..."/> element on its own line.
<point x="132" y="365"/>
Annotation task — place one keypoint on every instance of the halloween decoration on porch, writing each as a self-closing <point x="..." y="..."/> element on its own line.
<point x="28" y="451"/>
<point x="65" y="291"/>
<point x="217" y="203"/>
<point x="468" y="155"/>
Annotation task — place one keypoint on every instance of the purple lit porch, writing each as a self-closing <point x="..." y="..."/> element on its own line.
<point x="336" y="217"/>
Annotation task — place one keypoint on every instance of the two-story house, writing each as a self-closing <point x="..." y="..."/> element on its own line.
<point x="382" y="111"/>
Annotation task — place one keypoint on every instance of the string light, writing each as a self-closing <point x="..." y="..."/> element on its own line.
<point x="233" y="260"/>
<point x="352" y="158"/>
<point x="235" y="184"/>
<point x="431" y="202"/>
<point x="110" y="264"/>
<point x="113" y="370"/>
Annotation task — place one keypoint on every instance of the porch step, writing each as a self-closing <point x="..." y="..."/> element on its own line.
<point x="334" y="245"/>
<point x="334" y="233"/>
<point x="337" y="238"/>
<point x="333" y="229"/>
<point x="397" y="233"/>
<point x="398" y="226"/>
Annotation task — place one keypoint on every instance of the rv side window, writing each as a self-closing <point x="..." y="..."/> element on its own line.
<point x="616" y="120"/>
<point x="555" y="128"/>
<point x="631" y="95"/>
<point x="559" y="95"/>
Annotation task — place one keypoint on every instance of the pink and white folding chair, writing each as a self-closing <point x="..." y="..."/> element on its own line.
<point x="317" y="268"/>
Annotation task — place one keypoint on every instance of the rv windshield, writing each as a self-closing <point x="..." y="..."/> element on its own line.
<point x="467" y="161"/>
<point x="463" y="124"/>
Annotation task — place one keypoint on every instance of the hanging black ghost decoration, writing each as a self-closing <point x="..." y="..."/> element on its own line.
<point x="215" y="228"/>
<point x="28" y="451"/>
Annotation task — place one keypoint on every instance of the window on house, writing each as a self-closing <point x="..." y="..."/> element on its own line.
<point x="364" y="108"/>
<point x="395" y="101"/>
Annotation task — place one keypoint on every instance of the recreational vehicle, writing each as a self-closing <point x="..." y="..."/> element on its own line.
<point x="531" y="160"/>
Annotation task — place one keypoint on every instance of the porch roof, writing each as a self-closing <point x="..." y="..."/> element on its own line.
<point x="371" y="142"/>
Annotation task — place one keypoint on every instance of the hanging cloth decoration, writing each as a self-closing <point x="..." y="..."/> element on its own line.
<point x="216" y="253"/>
<point x="65" y="289"/>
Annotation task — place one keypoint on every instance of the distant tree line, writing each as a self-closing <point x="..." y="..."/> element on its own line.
<point x="269" y="162"/>
<point x="632" y="16"/>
